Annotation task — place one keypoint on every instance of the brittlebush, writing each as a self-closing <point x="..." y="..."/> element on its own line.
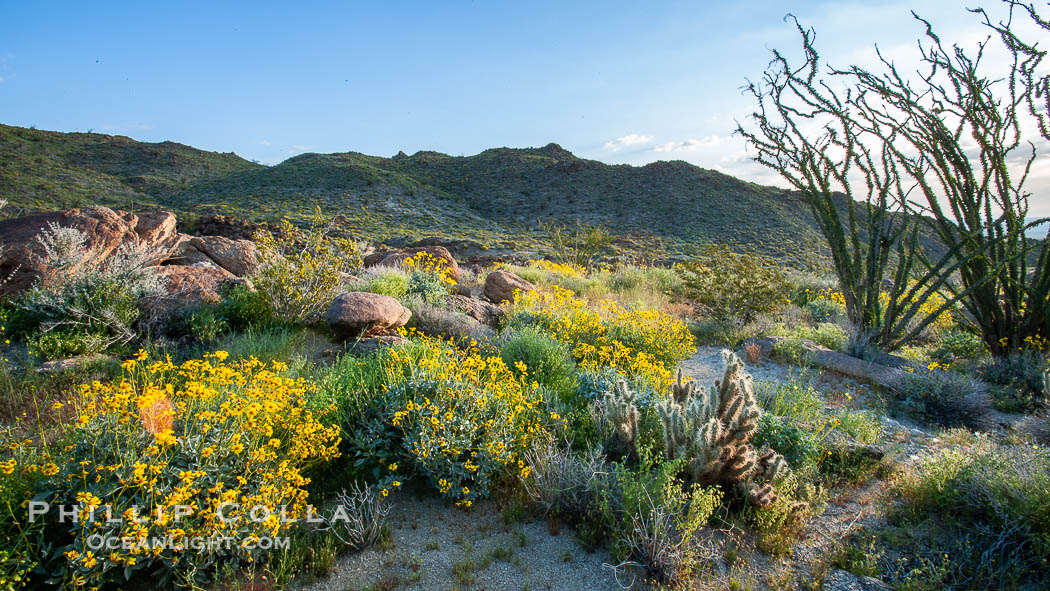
<point x="644" y="344"/>
<point x="208" y="436"/>
<point x="300" y="271"/>
<point x="460" y="418"/>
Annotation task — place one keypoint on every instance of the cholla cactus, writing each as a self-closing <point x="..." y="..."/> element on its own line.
<point x="712" y="433"/>
<point x="617" y="416"/>
<point x="682" y="391"/>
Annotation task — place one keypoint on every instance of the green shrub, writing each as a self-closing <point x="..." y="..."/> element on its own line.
<point x="460" y="419"/>
<point x="733" y="284"/>
<point x="990" y="505"/>
<point x="793" y="399"/>
<point x="204" y="323"/>
<point x="779" y="525"/>
<point x="863" y="426"/>
<point x="726" y="332"/>
<point x="243" y="307"/>
<point x="797" y="445"/>
<point x="429" y="287"/>
<point x="825" y="309"/>
<point x="392" y="282"/>
<point x="643" y="513"/>
<point x="60" y="344"/>
<point x="958" y="345"/>
<point x="88" y="297"/>
<point x="1019" y="381"/>
<point x="300" y="271"/>
<point x="546" y="360"/>
<point x="791" y="350"/>
<point x="947" y="398"/>
<point x="579" y="245"/>
<point x="826" y="334"/>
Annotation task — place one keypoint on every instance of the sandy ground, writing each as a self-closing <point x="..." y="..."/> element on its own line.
<point x="437" y="547"/>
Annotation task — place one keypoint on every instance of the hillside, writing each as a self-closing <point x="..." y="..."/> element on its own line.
<point x="495" y="196"/>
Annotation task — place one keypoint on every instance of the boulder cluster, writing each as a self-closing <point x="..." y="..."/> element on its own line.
<point x="194" y="267"/>
<point x="191" y="267"/>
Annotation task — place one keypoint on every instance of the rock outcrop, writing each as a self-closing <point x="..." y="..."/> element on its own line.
<point x="359" y="313"/>
<point x="239" y="257"/>
<point x="500" y="286"/>
<point x="480" y="310"/>
<point x="193" y="283"/>
<point x="106" y="231"/>
<point x="888" y="377"/>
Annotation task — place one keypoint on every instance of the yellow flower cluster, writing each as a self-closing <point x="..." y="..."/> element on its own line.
<point x="462" y="418"/>
<point x="427" y="263"/>
<point x="186" y="452"/>
<point x="639" y="343"/>
<point x="557" y="268"/>
<point x="827" y="294"/>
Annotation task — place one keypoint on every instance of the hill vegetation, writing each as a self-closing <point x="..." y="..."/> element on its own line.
<point x="499" y="194"/>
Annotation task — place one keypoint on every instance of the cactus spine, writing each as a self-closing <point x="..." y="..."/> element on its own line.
<point x="712" y="433"/>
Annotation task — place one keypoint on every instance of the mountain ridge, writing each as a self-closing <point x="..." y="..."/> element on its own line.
<point x="499" y="193"/>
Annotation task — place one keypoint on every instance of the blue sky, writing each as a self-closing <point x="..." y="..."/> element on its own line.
<point x="622" y="82"/>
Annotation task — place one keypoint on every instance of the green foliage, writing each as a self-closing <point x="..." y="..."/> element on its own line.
<point x="734" y="284"/>
<point x="546" y="360"/>
<point x="947" y="398"/>
<point x="300" y="271"/>
<point x="715" y="331"/>
<point x="392" y="282"/>
<point x="460" y="419"/>
<point x="825" y="309"/>
<point x="579" y="244"/>
<point x="991" y="507"/>
<point x="826" y="334"/>
<point x="1019" y="381"/>
<point x="958" y="345"/>
<point x="779" y="524"/>
<point x="63" y="343"/>
<point x="203" y="323"/>
<point x="430" y="287"/>
<point x="243" y="307"/>
<point x="797" y="445"/>
<point x="819" y="443"/>
<point x="92" y="303"/>
<point x="791" y="350"/>
<point x="643" y="512"/>
<point x="654" y="519"/>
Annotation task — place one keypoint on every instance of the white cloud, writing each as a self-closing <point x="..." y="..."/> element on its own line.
<point x="627" y="140"/>
<point x="266" y="142"/>
<point x="690" y="145"/>
<point x="1" y="79"/>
